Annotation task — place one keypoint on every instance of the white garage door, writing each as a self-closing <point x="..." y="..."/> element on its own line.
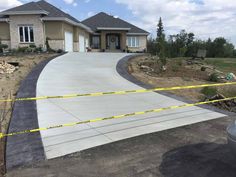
<point x="81" y="43"/>
<point x="68" y="41"/>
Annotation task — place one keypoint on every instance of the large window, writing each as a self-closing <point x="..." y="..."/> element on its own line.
<point x="132" y="41"/>
<point x="26" y="34"/>
<point x="95" y="42"/>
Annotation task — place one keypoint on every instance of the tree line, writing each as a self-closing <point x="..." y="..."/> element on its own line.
<point x="185" y="44"/>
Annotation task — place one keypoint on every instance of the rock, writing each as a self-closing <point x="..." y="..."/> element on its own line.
<point x="6" y="68"/>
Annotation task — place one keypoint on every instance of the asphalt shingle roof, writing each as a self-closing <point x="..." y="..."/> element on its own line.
<point x="31" y="6"/>
<point x="107" y="21"/>
<point x="45" y="6"/>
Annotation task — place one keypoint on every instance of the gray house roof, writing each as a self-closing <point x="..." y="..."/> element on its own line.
<point x="40" y="7"/>
<point x="105" y="21"/>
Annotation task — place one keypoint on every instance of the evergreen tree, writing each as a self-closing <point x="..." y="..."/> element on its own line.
<point x="161" y="42"/>
<point x="160" y="31"/>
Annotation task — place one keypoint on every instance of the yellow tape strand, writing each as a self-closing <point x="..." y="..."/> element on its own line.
<point x="117" y="92"/>
<point x="114" y="117"/>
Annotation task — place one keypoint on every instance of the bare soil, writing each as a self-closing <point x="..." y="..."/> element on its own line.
<point x="9" y="84"/>
<point x="178" y="73"/>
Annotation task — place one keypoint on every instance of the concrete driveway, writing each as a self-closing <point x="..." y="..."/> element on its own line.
<point x="96" y="72"/>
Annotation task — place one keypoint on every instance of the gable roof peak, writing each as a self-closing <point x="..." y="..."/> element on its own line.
<point x="104" y="20"/>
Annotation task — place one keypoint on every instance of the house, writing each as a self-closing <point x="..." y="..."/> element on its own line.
<point x="38" y="22"/>
<point x="112" y="33"/>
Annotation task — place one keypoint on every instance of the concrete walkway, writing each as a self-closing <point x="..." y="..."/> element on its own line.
<point x="96" y="72"/>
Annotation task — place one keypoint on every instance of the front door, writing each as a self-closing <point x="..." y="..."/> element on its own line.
<point x="113" y="41"/>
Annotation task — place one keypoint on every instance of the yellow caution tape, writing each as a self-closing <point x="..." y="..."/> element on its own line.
<point x="114" y="117"/>
<point x="117" y="92"/>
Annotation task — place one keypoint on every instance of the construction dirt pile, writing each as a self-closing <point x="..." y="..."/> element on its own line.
<point x="6" y="68"/>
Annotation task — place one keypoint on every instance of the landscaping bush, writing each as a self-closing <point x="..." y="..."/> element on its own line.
<point x="214" y="77"/>
<point x="38" y="49"/>
<point x="175" y="68"/>
<point x="203" y="68"/>
<point x="59" y="51"/>
<point x="2" y="47"/>
<point x="33" y="46"/>
<point x="22" y="49"/>
<point x="209" y="91"/>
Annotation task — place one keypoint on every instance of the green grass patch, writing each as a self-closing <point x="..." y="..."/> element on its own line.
<point x="224" y="64"/>
<point x="209" y="91"/>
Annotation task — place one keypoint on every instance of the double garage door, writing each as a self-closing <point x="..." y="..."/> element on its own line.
<point x="83" y="43"/>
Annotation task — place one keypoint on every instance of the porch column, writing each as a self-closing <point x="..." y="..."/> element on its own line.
<point x="123" y="41"/>
<point x="103" y="40"/>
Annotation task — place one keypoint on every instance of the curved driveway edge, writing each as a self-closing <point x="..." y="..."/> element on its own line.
<point x="97" y="72"/>
<point x="27" y="148"/>
<point x="122" y="69"/>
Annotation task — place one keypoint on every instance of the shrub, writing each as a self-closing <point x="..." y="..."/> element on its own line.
<point x="214" y="77"/>
<point x="209" y="91"/>
<point x="2" y="47"/>
<point x="203" y="68"/>
<point x="179" y="63"/>
<point x="175" y="68"/>
<point x="38" y="49"/>
<point x="59" y="51"/>
<point x="33" y="46"/>
<point x="22" y="49"/>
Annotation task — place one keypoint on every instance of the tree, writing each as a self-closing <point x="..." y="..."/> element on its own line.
<point x="161" y="42"/>
<point x="160" y="31"/>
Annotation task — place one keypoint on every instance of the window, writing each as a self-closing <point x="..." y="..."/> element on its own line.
<point x="26" y="34"/>
<point x="132" y="41"/>
<point x="96" y="42"/>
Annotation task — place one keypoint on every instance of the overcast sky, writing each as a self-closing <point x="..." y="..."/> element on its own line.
<point x="205" y="18"/>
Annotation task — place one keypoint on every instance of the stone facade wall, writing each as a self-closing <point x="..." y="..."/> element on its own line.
<point x="57" y="44"/>
<point x="34" y="20"/>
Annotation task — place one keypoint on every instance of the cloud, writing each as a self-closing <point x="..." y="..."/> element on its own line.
<point x="90" y="14"/>
<point x="69" y="1"/>
<point x="6" y="4"/>
<point x="206" y="18"/>
<point x="75" y="4"/>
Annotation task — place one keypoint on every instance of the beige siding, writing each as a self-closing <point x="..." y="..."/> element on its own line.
<point x="54" y="30"/>
<point x="142" y="44"/>
<point x="16" y="21"/>
<point x="4" y="31"/>
<point x="78" y="31"/>
<point x="68" y="27"/>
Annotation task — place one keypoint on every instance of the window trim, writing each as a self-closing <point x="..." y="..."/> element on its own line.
<point x="29" y="36"/>
<point x="136" y="41"/>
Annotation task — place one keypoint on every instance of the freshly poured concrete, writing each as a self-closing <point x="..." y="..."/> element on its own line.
<point x="96" y="72"/>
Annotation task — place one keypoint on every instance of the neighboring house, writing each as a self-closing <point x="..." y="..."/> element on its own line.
<point x="34" y="22"/>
